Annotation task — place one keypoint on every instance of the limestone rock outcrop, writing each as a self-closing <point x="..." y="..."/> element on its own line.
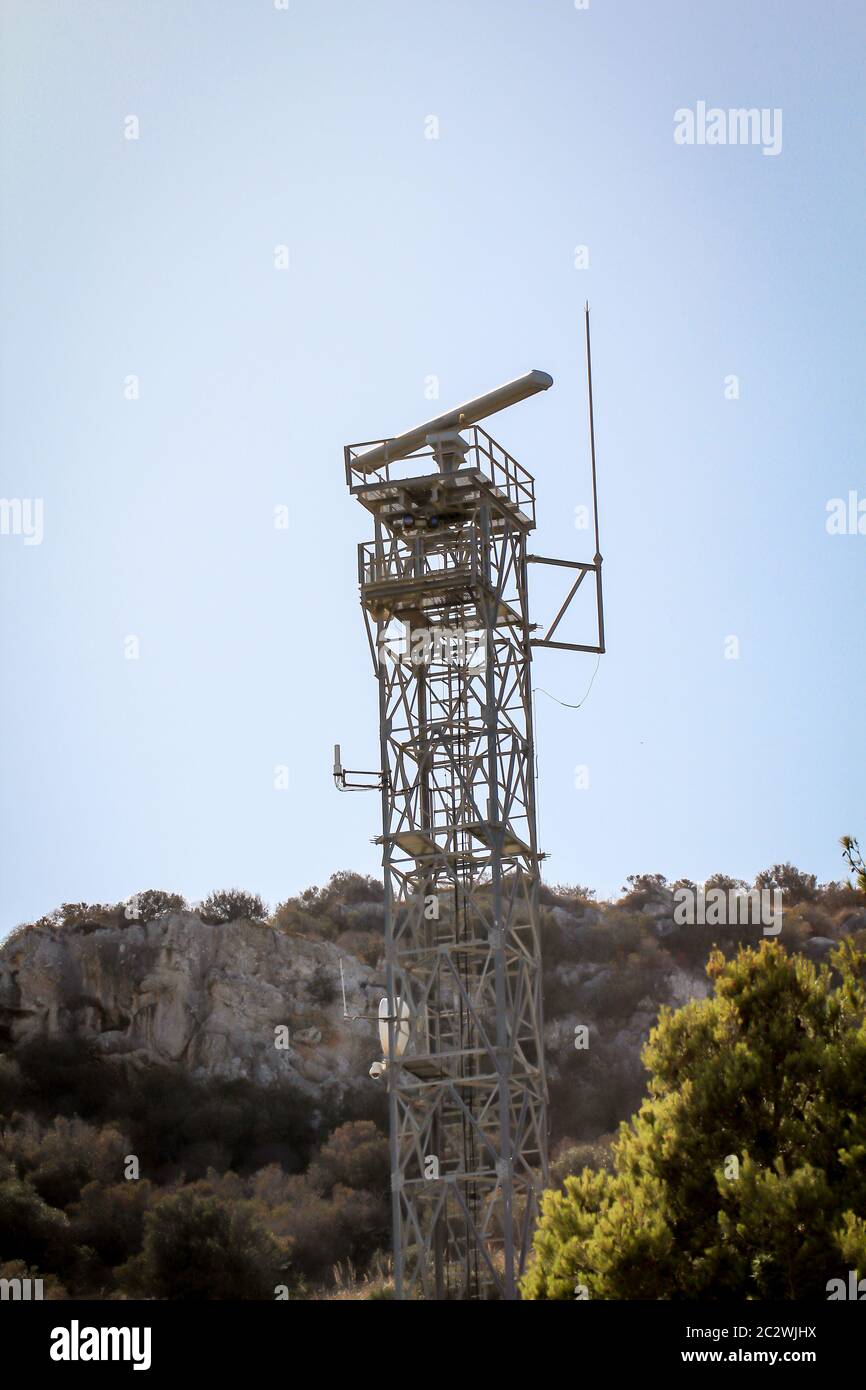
<point x="216" y="1000"/>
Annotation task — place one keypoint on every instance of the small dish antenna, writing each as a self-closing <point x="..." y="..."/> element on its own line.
<point x="401" y="1025"/>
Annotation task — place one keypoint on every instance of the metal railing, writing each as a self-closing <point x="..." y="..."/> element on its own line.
<point x="421" y="558"/>
<point x="514" y="482"/>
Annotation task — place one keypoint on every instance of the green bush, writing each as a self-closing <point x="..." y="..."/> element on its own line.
<point x="795" y="886"/>
<point x="354" y="1156"/>
<point x="742" y="1174"/>
<point x="571" y="1159"/>
<point x="640" y="890"/>
<point x="200" y="1247"/>
<point x="110" y="1219"/>
<point x="153" y="903"/>
<point x="177" y="1125"/>
<point x="30" y="1229"/>
<point x="321" y="987"/>
<point x="232" y="905"/>
<point x="60" y="1159"/>
<point x="322" y="1231"/>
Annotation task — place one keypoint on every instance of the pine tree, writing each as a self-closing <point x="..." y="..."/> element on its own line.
<point x="743" y="1174"/>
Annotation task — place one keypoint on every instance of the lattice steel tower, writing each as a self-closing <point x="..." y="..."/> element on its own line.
<point x="444" y="594"/>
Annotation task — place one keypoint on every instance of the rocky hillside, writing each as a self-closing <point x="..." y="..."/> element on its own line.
<point x="232" y="999"/>
<point x="172" y="1078"/>
<point x="260" y="1000"/>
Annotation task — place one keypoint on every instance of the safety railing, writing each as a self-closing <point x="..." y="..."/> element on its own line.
<point x="420" y="558"/>
<point x="485" y="454"/>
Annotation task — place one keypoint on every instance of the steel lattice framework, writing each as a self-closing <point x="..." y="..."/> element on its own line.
<point x="444" y="593"/>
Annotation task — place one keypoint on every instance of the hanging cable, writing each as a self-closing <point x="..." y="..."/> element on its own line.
<point x="539" y="690"/>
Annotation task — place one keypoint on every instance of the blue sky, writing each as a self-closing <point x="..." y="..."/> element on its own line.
<point x="412" y="257"/>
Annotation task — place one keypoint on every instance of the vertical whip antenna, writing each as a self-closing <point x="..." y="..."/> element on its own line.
<point x="597" y="558"/>
<point x="591" y="431"/>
